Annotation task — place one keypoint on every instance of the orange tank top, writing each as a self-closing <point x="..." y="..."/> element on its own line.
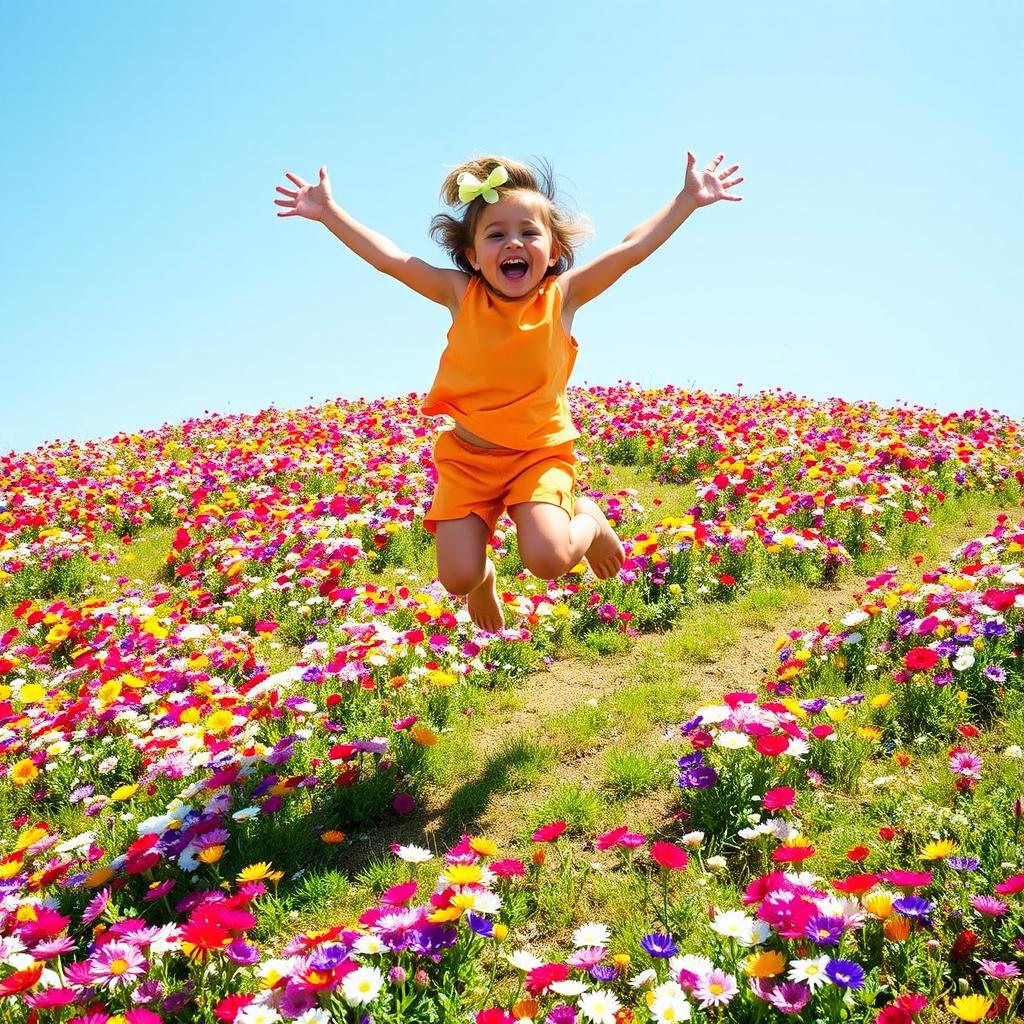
<point x="505" y="368"/>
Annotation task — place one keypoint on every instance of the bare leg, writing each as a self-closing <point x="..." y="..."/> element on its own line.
<point x="606" y="554"/>
<point x="464" y="569"/>
<point x="550" y="543"/>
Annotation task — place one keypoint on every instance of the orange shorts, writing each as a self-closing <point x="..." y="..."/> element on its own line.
<point x="485" y="481"/>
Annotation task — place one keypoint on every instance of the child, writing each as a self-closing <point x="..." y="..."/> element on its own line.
<point x="503" y="375"/>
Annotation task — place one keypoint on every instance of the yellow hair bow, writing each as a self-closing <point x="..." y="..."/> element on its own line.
<point x="470" y="186"/>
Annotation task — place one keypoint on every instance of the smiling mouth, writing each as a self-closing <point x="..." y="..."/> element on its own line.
<point x="514" y="269"/>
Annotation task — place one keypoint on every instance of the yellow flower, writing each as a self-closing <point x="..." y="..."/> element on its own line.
<point x="26" y="839"/>
<point x="99" y="877"/>
<point x="422" y="735"/>
<point x="189" y="716"/>
<point x="970" y="1008"/>
<point x="621" y="960"/>
<point x="30" y="693"/>
<point x="109" y="691"/>
<point x="58" y="634"/>
<point x="881" y="700"/>
<point x="961" y="696"/>
<point x="124" y="792"/>
<point x="938" y="850"/>
<point x="23" y="772"/>
<point x="220" y="721"/>
<point x="255" y="872"/>
<point x="485" y="847"/>
<point x="9" y="869"/>
<point x="765" y="965"/>
<point x="442" y="916"/>
<point x="878" y="904"/>
<point x="500" y="931"/>
<point x="869" y="732"/>
<point x="463" y="874"/>
<point x="837" y="713"/>
<point x="441" y="678"/>
<point x="211" y="854"/>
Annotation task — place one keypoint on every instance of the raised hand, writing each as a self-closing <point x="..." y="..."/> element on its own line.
<point x="707" y="186"/>
<point x="310" y="201"/>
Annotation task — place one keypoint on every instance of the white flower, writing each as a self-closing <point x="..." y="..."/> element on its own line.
<point x="716" y="863"/>
<point x="246" y="813"/>
<point x="369" y="945"/>
<point x="314" y="1016"/>
<point x="644" y="978"/>
<point x="253" y="1014"/>
<point x="732" y="924"/>
<point x="964" y="660"/>
<point x="413" y="854"/>
<point x="693" y="839"/>
<point x="524" y="960"/>
<point x="1014" y="751"/>
<point x="810" y="972"/>
<point x="797" y="747"/>
<point x="599" y="1007"/>
<point x="691" y="963"/>
<point x="361" y="986"/>
<point x="569" y="988"/>
<point x="669" y="1003"/>
<point x="732" y="740"/>
<point x="591" y="934"/>
<point x="854" y="618"/>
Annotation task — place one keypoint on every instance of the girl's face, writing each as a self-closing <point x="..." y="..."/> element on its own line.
<point x="513" y="248"/>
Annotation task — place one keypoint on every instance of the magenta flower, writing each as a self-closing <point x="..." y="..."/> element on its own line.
<point x="966" y="764"/>
<point x="999" y="970"/>
<point x="715" y="988"/>
<point x="989" y="905"/>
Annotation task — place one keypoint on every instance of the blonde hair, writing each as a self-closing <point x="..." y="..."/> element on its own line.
<point x="456" y="234"/>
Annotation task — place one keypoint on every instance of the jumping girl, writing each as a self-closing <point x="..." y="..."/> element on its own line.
<point x="503" y="375"/>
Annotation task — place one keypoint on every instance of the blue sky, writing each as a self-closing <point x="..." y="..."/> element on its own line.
<point x="146" y="277"/>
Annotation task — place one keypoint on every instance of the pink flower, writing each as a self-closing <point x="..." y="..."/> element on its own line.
<point x="965" y="763"/>
<point x="999" y="970"/>
<point x="780" y="797"/>
<point x="549" y="833"/>
<point x="715" y="988"/>
<point x="669" y="856"/>
<point x="989" y="905"/>
<point x="117" y="963"/>
<point x="1015" y="883"/>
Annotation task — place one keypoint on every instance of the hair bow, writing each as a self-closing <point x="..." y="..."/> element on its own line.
<point x="470" y="186"/>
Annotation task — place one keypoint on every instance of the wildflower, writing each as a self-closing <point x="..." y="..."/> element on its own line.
<point x="599" y="1006"/>
<point x="970" y="1008"/>
<point x="1015" y="883"/>
<point x="361" y="985"/>
<point x="897" y="928"/>
<point x="878" y="904"/>
<point x="658" y="945"/>
<point x="964" y="944"/>
<point x="810" y="972"/>
<point x="591" y="934"/>
<point x="549" y="833"/>
<point x="255" y="872"/>
<point x="412" y="854"/>
<point x="845" y="973"/>
<point x="779" y="798"/>
<point x="23" y="772"/>
<point x="766" y="964"/>
<point x="668" y="1004"/>
<point x="989" y="906"/>
<point x="669" y="856"/>
<point x="963" y="863"/>
<point x="999" y="970"/>
<point x="117" y="963"/>
<point x="914" y="907"/>
<point x="823" y="930"/>
<point x="789" y="997"/>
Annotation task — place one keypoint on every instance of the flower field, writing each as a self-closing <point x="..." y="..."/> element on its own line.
<point x="229" y="684"/>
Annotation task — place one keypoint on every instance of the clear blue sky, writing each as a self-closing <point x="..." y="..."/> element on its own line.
<point x="146" y="278"/>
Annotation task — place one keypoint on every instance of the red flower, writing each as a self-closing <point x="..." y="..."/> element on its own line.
<point x="228" y="1008"/>
<point x="887" y="833"/>
<point x="781" y="796"/>
<point x="907" y="879"/>
<point x="822" y="731"/>
<point x="893" y="1014"/>
<point x="920" y="659"/>
<point x="540" y="978"/>
<point x="970" y="731"/>
<point x="770" y="746"/>
<point x="726" y="580"/>
<point x="858" y="853"/>
<point x="965" y="944"/>
<point x="855" y="884"/>
<point x="494" y="1015"/>
<point x="668" y="855"/>
<point x="19" y="981"/>
<point x="912" y="1002"/>
<point x="791" y="854"/>
<point x="549" y="833"/>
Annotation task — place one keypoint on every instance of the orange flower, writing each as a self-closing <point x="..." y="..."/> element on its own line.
<point x="332" y="835"/>
<point x="897" y="928"/>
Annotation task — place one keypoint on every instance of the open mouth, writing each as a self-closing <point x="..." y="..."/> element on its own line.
<point x="514" y="269"/>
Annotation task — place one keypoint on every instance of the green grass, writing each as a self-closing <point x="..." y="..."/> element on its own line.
<point x="633" y="771"/>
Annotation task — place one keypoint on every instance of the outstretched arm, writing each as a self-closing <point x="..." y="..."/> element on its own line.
<point x="700" y="188"/>
<point x="316" y="202"/>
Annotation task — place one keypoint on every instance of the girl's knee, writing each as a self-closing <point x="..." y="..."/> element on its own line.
<point x="461" y="579"/>
<point x="546" y="563"/>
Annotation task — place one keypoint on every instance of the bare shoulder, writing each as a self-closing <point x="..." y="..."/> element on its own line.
<point x="459" y="282"/>
<point x="564" y="282"/>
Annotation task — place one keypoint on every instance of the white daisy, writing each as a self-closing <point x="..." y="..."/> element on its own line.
<point x="591" y="934"/>
<point x="810" y="972"/>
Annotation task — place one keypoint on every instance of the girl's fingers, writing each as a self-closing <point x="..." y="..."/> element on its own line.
<point x="295" y="179"/>
<point x="288" y="213"/>
<point x="732" y="170"/>
<point x="714" y="163"/>
<point x="729" y="184"/>
<point x="287" y="192"/>
<point x="285" y="202"/>
<point x="733" y="199"/>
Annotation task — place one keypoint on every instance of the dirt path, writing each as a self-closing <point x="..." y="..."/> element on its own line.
<point x="738" y="663"/>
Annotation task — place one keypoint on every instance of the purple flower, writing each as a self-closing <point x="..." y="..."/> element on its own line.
<point x="431" y="939"/>
<point x="658" y="945"/>
<point x="812" y="707"/>
<point x="963" y="863"/>
<point x="403" y="804"/>
<point x="845" y="973"/>
<point x="599" y="973"/>
<point x="240" y="952"/>
<point x="326" y="958"/>
<point x="999" y="970"/>
<point x="789" y="997"/>
<point x="995" y="673"/>
<point x="825" y="931"/>
<point x="561" y="1014"/>
<point x="915" y="907"/>
<point x="480" y="925"/>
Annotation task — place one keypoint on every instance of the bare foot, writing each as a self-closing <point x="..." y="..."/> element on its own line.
<point x="484" y="606"/>
<point x="606" y="554"/>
